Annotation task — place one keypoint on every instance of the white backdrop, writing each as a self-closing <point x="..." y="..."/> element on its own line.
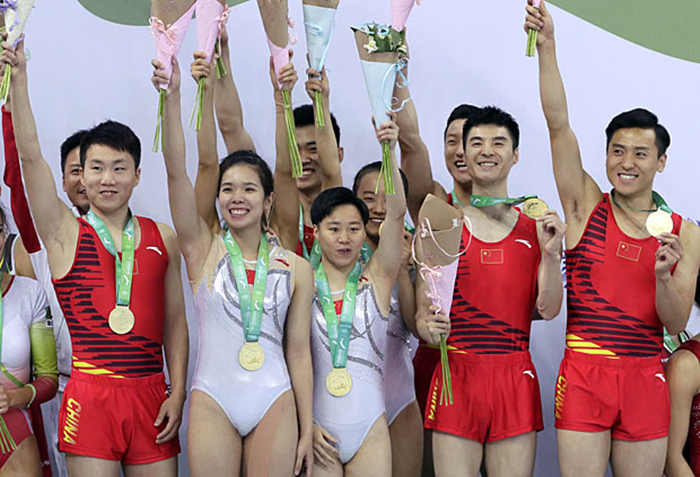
<point x="84" y="70"/>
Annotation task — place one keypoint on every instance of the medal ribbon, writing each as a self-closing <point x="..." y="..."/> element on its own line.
<point x="455" y="199"/>
<point x="124" y="266"/>
<point x="314" y="257"/>
<point x="485" y="201"/>
<point x="338" y="333"/>
<point x="251" y="310"/>
<point x="658" y="201"/>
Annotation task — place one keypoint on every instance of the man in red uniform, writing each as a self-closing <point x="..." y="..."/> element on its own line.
<point x="631" y="270"/>
<point x="510" y="268"/>
<point x="117" y="278"/>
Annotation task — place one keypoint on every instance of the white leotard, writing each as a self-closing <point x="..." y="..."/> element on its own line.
<point x="400" y="390"/>
<point x="23" y="305"/>
<point x="245" y="396"/>
<point x="349" y="418"/>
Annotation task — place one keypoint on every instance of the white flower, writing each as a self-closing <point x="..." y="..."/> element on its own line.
<point x="371" y="46"/>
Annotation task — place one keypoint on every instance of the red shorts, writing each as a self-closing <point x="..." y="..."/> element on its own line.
<point x="495" y="397"/>
<point x="424" y="364"/>
<point x="628" y="395"/>
<point x="19" y="425"/>
<point x="112" y="418"/>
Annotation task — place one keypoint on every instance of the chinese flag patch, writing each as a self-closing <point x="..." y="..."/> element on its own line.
<point x="492" y="256"/>
<point x="628" y="251"/>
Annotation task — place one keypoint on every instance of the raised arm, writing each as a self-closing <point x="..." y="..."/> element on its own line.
<point x="194" y="236"/>
<point x="229" y="113"/>
<point x="208" y="166"/>
<point x="326" y="143"/>
<point x="55" y="223"/>
<point x="415" y="158"/>
<point x="683" y="377"/>
<point x="384" y="264"/>
<point x="285" y="212"/>
<point x="577" y="190"/>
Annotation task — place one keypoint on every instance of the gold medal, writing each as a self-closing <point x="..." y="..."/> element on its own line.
<point x="121" y="320"/>
<point x="659" y="222"/>
<point x="339" y="382"/>
<point x="381" y="227"/>
<point x="535" y="208"/>
<point x="251" y="356"/>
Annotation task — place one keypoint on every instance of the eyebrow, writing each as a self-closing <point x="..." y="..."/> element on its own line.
<point x="638" y="148"/>
<point x="337" y="222"/>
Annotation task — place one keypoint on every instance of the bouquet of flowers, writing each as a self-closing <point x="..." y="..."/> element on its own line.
<point x="319" y="20"/>
<point x="274" y="16"/>
<point x="437" y="242"/>
<point x="532" y="34"/>
<point x="168" y="40"/>
<point x="400" y="10"/>
<point x="379" y="47"/>
<point x="211" y="19"/>
<point x="16" y="13"/>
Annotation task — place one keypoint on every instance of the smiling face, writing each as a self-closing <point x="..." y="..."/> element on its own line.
<point x="109" y="177"/>
<point x="376" y="203"/>
<point x="633" y="161"/>
<point x="454" y="153"/>
<point x="341" y="235"/>
<point x="72" y="185"/>
<point x="489" y="153"/>
<point x="242" y="200"/>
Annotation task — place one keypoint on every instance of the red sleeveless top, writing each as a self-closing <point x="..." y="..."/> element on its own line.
<point x="496" y="292"/>
<point x="611" y="290"/>
<point x="87" y="295"/>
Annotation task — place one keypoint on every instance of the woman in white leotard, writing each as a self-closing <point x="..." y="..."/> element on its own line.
<point x="402" y="410"/>
<point x="351" y="436"/>
<point x="246" y="412"/>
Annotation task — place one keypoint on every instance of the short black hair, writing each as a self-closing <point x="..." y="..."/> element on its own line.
<point x="328" y="200"/>
<point x="375" y="167"/>
<point x="252" y="159"/>
<point x="304" y="116"/>
<point x="492" y="115"/>
<point x="463" y="111"/>
<point x="114" y="135"/>
<point x="642" y="119"/>
<point x="68" y="145"/>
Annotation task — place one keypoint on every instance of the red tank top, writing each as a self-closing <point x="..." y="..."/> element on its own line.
<point x="308" y="241"/>
<point x="495" y="292"/>
<point x="87" y="295"/>
<point x="611" y="290"/>
<point x="693" y="444"/>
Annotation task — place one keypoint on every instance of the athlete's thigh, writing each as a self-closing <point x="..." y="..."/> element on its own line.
<point x="270" y="449"/>
<point x="638" y="459"/>
<point x="406" y="432"/>
<point x="336" y="470"/>
<point x="428" y="467"/>
<point x="456" y="456"/>
<point x="163" y="468"/>
<point x="81" y="466"/>
<point x="213" y="444"/>
<point x="374" y="456"/>
<point x="583" y="454"/>
<point x="512" y="457"/>
<point x="24" y="461"/>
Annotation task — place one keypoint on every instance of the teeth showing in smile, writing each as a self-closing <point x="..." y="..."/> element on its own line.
<point x="461" y="165"/>
<point x="627" y="177"/>
<point x="238" y="212"/>
<point x="307" y="172"/>
<point x="487" y="164"/>
<point x="377" y="221"/>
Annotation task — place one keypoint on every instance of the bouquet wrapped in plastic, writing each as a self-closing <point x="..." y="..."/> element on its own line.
<point x="436" y="254"/>
<point x="379" y="47"/>
<point x="16" y="14"/>
<point x="274" y="16"/>
<point x="319" y="22"/>
<point x="169" y="23"/>
<point x="532" y="34"/>
<point x="211" y="20"/>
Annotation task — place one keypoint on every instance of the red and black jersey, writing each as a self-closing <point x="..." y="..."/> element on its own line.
<point x="611" y="290"/>
<point x="496" y="292"/>
<point x="87" y="295"/>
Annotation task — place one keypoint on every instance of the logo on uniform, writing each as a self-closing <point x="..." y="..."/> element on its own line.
<point x="492" y="256"/>
<point x="629" y="251"/>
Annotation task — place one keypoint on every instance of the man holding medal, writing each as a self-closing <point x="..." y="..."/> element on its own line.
<point x="122" y="309"/>
<point x="349" y="329"/>
<point x="509" y="269"/>
<point x="632" y="266"/>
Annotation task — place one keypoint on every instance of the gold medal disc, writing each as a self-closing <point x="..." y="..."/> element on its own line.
<point x="121" y="320"/>
<point x="535" y="208"/>
<point x="339" y="382"/>
<point x="659" y="222"/>
<point x="251" y="356"/>
<point x="381" y="227"/>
